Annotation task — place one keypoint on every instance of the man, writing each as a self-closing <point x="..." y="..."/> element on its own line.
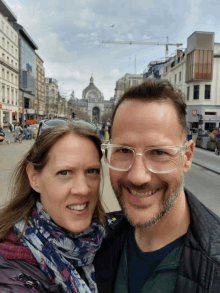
<point x="167" y="240"/>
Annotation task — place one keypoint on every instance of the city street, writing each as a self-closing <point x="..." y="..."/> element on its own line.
<point x="200" y="181"/>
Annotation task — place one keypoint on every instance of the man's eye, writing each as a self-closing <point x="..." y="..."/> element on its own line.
<point x="94" y="171"/>
<point x="63" y="173"/>
<point x="124" y="151"/>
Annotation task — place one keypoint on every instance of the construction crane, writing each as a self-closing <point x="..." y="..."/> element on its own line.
<point x="146" y="43"/>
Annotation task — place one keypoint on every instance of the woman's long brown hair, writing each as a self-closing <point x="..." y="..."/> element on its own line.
<point x="23" y="197"/>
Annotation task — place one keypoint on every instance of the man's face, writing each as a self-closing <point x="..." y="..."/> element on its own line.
<point x="145" y="197"/>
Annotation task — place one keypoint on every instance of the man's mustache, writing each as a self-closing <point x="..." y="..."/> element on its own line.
<point x="143" y="187"/>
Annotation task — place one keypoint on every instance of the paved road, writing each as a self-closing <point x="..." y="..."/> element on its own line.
<point x="203" y="183"/>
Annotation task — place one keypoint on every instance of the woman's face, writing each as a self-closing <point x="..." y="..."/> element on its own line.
<point x="69" y="183"/>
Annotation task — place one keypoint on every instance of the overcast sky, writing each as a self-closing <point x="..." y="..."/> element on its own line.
<point x="69" y="35"/>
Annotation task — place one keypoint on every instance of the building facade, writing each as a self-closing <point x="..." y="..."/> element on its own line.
<point x="52" y="101"/>
<point x="93" y="103"/>
<point x="40" y="100"/>
<point x="27" y="74"/>
<point x="125" y="83"/>
<point x="8" y="67"/>
<point x="196" y="72"/>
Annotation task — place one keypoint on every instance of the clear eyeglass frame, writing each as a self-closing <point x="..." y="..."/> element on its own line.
<point x="182" y="150"/>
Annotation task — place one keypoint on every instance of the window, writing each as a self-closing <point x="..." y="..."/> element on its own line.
<point x="12" y="78"/>
<point x="16" y="79"/>
<point x="196" y="92"/>
<point x="8" y="46"/>
<point x="175" y="78"/>
<point x="188" y="93"/>
<point x="16" y="53"/>
<point x="16" y="65"/>
<point x="12" y="50"/>
<point x="12" y="62"/>
<point x="6" y="30"/>
<point x="3" y="73"/>
<point x="2" y="26"/>
<point x="8" y="75"/>
<point x="3" y="42"/>
<point x="207" y="91"/>
<point x="15" y="39"/>
<point x="3" y="56"/>
<point x="180" y="76"/>
<point x="12" y="35"/>
<point x="8" y="59"/>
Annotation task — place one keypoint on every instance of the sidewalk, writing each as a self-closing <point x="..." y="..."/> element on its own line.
<point x="207" y="159"/>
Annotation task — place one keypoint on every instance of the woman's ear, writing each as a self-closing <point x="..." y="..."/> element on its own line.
<point x="33" y="177"/>
<point x="188" y="156"/>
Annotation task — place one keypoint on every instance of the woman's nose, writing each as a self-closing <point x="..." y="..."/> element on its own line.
<point x="80" y="186"/>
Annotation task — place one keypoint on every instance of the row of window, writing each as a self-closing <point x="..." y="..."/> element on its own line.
<point x="15" y="64"/>
<point x="5" y="29"/>
<point x="6" y="75"/>
<point x="180" y="77"/>
<point x="10" y="48"/>
<point x="196" y="92"/>
<point x="9" y="96"/>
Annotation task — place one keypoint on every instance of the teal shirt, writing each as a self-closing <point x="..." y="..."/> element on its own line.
<point x="148" y="272"/>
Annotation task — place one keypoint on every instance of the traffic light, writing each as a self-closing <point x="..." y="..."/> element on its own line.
<point x="73" y="115"/>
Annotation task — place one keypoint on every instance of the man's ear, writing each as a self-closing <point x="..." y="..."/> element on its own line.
<point x="188" y="156"/>
<point x="33" y="177"/>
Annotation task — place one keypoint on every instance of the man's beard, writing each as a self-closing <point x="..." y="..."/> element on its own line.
<point x="165" y="205"/>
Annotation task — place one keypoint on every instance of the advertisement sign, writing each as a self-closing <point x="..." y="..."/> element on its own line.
<point x="194" y="113"/>
<point x="29" y="68"/>
<point x="5" y="107"/>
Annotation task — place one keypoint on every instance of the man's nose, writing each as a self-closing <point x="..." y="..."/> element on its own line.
<point x="80" y="186"/>
<point x="139" y="173"/>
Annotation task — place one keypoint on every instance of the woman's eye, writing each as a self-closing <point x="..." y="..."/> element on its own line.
<point x="63" y="173"/>
<point x="94" y="171"/>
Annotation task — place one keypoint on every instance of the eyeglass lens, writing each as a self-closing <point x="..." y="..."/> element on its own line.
<point x="157" y="160"/>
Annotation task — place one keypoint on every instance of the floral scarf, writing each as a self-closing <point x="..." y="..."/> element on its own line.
<point x="58" y="252"/>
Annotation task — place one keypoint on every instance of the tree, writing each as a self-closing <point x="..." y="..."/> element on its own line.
<point x="106" y="116"/>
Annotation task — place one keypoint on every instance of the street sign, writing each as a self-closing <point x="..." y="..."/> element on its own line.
<point x="194" y="113"/>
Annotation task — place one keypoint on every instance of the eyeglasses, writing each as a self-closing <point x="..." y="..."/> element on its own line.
<point x="157" y="159"/>
<point x="50" y="123"/>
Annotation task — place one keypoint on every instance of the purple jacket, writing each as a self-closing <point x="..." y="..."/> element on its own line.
<point x="17" y="276"/>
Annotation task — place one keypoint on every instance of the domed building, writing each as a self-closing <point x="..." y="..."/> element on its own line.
<point x="93" y="103"/>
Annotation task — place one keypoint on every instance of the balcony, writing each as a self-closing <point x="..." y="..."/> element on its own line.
<point x="10" y="66"/>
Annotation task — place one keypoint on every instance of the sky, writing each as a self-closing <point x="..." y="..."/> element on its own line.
<point x="69" y="36"/>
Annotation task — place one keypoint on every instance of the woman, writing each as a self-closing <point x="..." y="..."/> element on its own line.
<point x="54" y="223"/>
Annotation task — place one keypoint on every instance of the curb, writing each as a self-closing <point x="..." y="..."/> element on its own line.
<point x="214" y="171"/>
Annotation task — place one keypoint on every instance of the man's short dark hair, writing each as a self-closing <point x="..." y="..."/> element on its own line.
<point x="156" y="90"/>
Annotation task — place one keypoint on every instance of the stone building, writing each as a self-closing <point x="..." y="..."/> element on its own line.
<point x="125" y="83"/>
<point x="40" y="105"/>
<point x="195" y="71"/>
<point x="52" y="100"/>
<point x="9" y="59"/>
<point x="93" y="103"/>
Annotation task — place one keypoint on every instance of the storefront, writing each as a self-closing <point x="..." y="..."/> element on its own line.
<point x="6" y="114"/>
